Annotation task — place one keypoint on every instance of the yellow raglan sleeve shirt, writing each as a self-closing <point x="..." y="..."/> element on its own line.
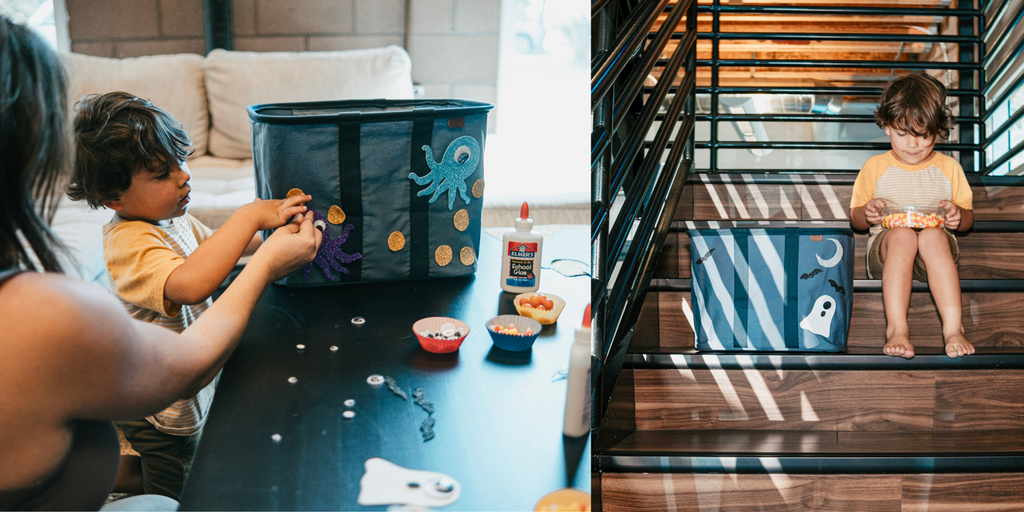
<point x="139" y="262"/>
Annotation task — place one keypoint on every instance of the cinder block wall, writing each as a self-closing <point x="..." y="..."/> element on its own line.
<point x="453" y="43"/>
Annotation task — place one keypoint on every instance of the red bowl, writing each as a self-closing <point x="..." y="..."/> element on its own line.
<point x="434" y="324"/>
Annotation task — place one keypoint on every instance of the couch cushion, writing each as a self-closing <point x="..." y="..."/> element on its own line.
<point x="235" y="80"/>
<point x="172" y="82"/>
<point x="80" y="228"/>
<point x="219" y="187"/>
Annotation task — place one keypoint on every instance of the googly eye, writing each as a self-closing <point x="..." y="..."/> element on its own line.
<point x="462" y="154"/>
<point x="319" y="224"/>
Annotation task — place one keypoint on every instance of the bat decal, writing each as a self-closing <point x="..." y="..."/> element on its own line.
<point x="838" y="288"/>
<point x="706" y="256"/>
<point x="811" y="274"/>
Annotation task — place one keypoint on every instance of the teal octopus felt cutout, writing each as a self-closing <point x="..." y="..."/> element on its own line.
<point x="458" y="163"/>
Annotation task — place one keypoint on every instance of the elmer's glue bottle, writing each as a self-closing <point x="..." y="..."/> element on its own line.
<point x="520" y="256"/>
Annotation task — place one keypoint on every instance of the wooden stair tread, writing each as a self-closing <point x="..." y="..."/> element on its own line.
<point x="855" y="358"/>
<point x="810" y="443"/>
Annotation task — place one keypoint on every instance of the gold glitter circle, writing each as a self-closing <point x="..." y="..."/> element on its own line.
<point x="461" y="219"/>
<point x="443" y="255"/>
<point x="396" y="241"/>
<point x="335" y="215"/>
<point x="478" y="188"/>
<point x="296" y="192"/>
<point x="467" y="256"/>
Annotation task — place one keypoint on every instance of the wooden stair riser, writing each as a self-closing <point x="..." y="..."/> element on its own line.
<point x="830" y="400"/>
<point x="982" y="256"/>
<point x="630" y="492"/>
<point x="811" y="200"/>
<point x="989" y="319"/>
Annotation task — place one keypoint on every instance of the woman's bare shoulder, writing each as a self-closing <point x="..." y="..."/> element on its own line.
<point x="45" y="308"/>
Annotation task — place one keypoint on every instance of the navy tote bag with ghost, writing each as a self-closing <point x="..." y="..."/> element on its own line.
<point x="772" y="289"/>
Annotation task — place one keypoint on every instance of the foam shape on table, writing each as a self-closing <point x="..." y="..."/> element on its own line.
<point x="387" y="483"/>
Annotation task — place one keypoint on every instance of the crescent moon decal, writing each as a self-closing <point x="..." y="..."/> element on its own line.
<point x="834" y="260"/>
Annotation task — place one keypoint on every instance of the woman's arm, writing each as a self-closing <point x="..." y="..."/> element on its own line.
<point x="79" y="354"/>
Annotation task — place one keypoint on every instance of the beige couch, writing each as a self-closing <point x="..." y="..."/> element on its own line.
<point x="209" y="95"/>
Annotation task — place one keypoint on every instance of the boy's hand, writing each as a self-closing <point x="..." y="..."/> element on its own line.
<point x="953" y="214"/>
<point x="289" y="248"/>
<point x="274" y="213"/>
<point x="873" y="211"/>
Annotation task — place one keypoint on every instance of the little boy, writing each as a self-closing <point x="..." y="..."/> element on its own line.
<point x="913" y="112"/>
<point x="162" y="262"/>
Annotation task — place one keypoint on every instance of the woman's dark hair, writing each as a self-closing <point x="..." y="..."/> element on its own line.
<point x="117" y="135"/>
<point x="35" y="146"/>
<point x="915" y="104"/>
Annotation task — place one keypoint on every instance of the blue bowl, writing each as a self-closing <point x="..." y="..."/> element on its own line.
<point x="514" y="342"/>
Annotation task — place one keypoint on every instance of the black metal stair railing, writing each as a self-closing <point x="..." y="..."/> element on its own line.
<point x="968" y="66"/>
<point x="635" y="185"/>
<point x="1003" y="98"/>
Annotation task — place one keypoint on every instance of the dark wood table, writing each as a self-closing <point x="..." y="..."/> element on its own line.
<point x="498" y="414"/>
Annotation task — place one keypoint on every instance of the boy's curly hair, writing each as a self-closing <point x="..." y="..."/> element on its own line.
<point x="915" y="104"/>
<point x="117" y="135"/>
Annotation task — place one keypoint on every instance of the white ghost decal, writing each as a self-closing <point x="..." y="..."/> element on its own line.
<point x="820" y="320"/>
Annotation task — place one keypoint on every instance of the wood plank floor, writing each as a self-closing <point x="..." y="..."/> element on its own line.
<point x="990" y="319"/>
<point x="808" y="199"/>
<point x="625" y="492"/>
<point x="983" y="256"/>
<point x="835" y="400"/>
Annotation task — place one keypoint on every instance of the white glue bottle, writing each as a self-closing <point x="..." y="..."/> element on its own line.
<point x="577" y="390"/>
<point x="520" y="255"/>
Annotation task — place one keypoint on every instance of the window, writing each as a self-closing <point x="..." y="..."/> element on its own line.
<point x="542" y="135"/>
<point x="49" y="17"/>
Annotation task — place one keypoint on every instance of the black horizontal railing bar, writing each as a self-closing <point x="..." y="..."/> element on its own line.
<point x="635" y="82"/>
<point x="853" y="359"/>
<point x="850" y="91"/>
<point x="840" y="118"/>
<point x="833" y="36"/>
<point x="1006" y="156"/>
<point x="830" y="177"/>
<point x="1002" y="128"/>
<point x="992" y="48"/>
<point x="812" y="464"/>
<point x="1002" y="96"/>
<point x="826" y="145"/>
<point x="874" y="64"/>
<point x="1007" y="61"/>
<point x="635" y="198"/>
<point x="873" y="285"/>
<point x="635" y="140"/>
<point x="837" y="10"/>
<point x="628" y="39"/>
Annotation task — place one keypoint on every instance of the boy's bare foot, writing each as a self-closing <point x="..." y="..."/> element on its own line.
<point x="899" y="345"/>
<point x="957" y="346"/>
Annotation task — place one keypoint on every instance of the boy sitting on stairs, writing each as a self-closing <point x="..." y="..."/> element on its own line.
<point x="913" y="112"/>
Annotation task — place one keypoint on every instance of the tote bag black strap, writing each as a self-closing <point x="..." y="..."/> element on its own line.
<point x="419" y="243"/>
<point x="792" y="305"/>
<point x="351" y="194"/>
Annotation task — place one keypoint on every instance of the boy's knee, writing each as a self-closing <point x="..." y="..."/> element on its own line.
<point x="904" y="239"/>
<point x="933" y="242"/>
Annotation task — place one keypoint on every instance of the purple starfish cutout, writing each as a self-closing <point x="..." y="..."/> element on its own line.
<point x="330" y="253"/>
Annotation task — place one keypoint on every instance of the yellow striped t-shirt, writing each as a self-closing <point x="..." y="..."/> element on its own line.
<point x="940" y="178"/>
<point x="140" y="256"/>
